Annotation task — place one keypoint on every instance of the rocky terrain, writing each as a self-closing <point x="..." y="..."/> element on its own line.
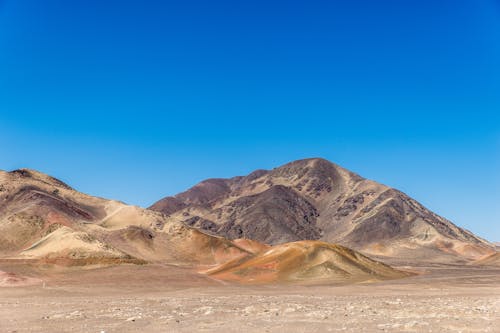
<point x="314" y="199"/>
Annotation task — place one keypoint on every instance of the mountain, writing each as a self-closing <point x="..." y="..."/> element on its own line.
<point x="314" y="199"/>
<point x="45" y="221"/>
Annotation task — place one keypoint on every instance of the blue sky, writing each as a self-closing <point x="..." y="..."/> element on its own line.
<point x="135" y="100"/>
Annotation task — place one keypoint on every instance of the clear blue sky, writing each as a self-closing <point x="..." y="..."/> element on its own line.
<point x="135" y="100"/>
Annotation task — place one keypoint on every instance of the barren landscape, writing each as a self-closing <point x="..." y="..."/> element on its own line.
<point x="249" y="166"/>
<point x="151" y="298"/>
<point x="306" y="247"/>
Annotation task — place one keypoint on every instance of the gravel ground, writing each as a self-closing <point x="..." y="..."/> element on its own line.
<point x="441" y="301"/>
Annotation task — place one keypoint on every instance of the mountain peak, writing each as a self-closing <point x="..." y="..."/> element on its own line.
<point x="314" y="198"/>
<point x="25" y="173"/>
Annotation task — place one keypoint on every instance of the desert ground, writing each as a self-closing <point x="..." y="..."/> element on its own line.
<point x="70" y="262"/>
<point x="162" y="298"/>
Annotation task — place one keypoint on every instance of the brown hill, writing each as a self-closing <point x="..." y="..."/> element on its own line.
<point x="304" y="261"/>
<point x="314" y="199"/>
<point x="41" y="218"/>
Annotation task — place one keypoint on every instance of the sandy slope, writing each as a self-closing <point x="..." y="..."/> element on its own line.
<point x="311" y="261"/>
<point x="492" y="259"/>
<point x="43" y="218"/>
<point x="65" y="242"/>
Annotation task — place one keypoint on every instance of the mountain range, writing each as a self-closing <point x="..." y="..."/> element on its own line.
<point x="307" y="220"/>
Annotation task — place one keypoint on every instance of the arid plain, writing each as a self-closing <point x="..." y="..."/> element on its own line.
<point x="306" y="247"/>
<point x="154" y="298"/>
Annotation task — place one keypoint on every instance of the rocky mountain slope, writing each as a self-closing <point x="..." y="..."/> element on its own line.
<point x="43" y="218"/>
<point x="314" y="199"/>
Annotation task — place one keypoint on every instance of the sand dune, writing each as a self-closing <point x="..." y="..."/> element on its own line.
<point x="304" y="261"/>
